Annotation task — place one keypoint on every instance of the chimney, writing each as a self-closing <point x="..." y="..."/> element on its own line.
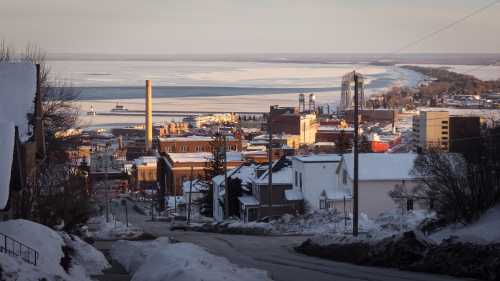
<point x="149" y="116"/>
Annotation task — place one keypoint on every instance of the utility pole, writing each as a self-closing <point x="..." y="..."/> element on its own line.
<point x="106" y="181"/>
<point x="270" y="161"/>
<point x="355" y="152"/>
<point x="226" y="187"/>
<point x="190" y="191"/>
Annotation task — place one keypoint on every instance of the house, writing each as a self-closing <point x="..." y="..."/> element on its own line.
<point x="245" y="172"/>
<point x="314" y="176"/>
<point x="192" y="192"/>
<point x="175" y="168"/>
<point x="145" y="173"/>
<point x="22" y="146"/>
<point x="256" y="204"/>
<point x="378" y="175"/>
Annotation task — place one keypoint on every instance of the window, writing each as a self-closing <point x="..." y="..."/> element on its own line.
<point x="300" y="181"/>
<point x="409" y="204"/>
<point x="344" y="177"/>
<point x="444" y="127"/>
<point x="183" y="148"/>
<point x="296" y="178"/>
<point x="322" y="204"/>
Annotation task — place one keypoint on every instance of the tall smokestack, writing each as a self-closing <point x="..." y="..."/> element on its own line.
<point x="149" y="116"/>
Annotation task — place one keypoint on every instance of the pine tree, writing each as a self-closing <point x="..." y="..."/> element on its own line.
<point x="214" y="167"/>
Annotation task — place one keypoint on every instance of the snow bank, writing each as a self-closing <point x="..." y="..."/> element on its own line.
<point x="86" y="256"/>
<point x="114" y="229"/>
<point x="160" y="260"/>
<point x="485" y="230"/>
<point x="85" y="259"/>
<point x="6" y="157"/>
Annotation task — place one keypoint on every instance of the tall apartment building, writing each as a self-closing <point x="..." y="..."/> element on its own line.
<point x="431" y="130"/>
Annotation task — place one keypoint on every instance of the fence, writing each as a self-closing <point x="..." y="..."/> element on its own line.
<point x="12" y="247"/>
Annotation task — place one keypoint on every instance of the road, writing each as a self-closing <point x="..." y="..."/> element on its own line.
<point x="275" y="254"/>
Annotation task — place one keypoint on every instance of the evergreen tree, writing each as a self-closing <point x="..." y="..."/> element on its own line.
<point x="214" y="167"/>
<point x="343" y="144"/>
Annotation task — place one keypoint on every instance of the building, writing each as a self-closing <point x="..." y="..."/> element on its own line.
<point x="465" y="135"/>
<point x="431" y="131"/>
<point x="175" y="168"/>
<point x="378" y="175"/>
<point x="22" y="144"/>
<point x="334" y="134"/>
<point x="145" y="173"/>
<point x="290" y="121"/>
<point x="194" y="144"/>
<point x="257" y="204"/>
<point x="315" y="178"/>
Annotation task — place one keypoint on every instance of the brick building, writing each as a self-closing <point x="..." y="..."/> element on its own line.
<point x="290" y="121"/>
<point x="175" y="168"/>
<point x="194" y="144"/>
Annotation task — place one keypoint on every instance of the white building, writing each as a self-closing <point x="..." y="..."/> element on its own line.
<point x="315" y="177"/>
<point x="378" y="175"/>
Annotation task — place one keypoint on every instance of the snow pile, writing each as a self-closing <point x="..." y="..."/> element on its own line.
<point x="160" y="260"/>
<point x="49" y="245"/>
<point x="85" y="255"/>
<point x="251" y="225"/>
<point x="332" y="222"/>
<point x="485" y="230"/>
<point x="114" y="229"/>
<point x="6" y="157"/>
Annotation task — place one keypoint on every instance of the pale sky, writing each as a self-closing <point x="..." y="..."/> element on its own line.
<point x="247" y="26"/>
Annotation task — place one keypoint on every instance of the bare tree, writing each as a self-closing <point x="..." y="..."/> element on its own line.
<point x="461" y="190"/>
<point x="5" y="52"/>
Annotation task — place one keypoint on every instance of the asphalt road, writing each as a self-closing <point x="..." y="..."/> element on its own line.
<point x="276" y="255"/>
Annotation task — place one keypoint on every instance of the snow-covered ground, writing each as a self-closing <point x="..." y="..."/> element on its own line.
<point x="85" y="261"/>
<point x="114" y="229"/>
<point x="161" y="260"/>
<point x="485" y="230"/>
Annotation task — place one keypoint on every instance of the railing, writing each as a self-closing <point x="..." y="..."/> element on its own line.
<point x="12" y="247"/>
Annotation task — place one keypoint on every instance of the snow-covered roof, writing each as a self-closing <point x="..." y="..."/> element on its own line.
<point x="318" y="158"/>
<point x="336" y="194"/>
<point x="198" y="186"/>
<point x="283" y="176"/>
<point x="189" y="138"/>
<point x="335" y="129"/>
<point x="202" y="156"/>
<point x="17" y="91"/>
<point x="6" y="157"/>
<point x="293" y="195"/>
<point x="381" y="166"/>
<point x="146" y="160"/>
<point x="248" y="200"/>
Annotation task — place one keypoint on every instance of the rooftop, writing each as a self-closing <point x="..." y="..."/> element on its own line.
<point x="382" y="166"/>
<point x="318" y="158"/>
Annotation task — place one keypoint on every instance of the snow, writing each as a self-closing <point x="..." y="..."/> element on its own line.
<point x="146" y="160"/>
<point x="319" y="157"/>
<point x="18" y="86"/>
<point x="338" y="194"/>
<point x="283" y="176"/>
<point x="248" y="200"/>
<point x="6" y="157"/>
<point x="380" y="166"/>
<point x="292" y="195"/>
<point x="198" y="186"/>
<point x="160" y="260"/>
<point x="485" y="230"/>
<point x="91" y="259"/>
<point x="114" y="229"/>
<point x="86" y="260"/>
<point x="201" y="157"/>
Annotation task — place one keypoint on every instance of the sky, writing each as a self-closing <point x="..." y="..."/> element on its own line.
<point x="248" y="26"/>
